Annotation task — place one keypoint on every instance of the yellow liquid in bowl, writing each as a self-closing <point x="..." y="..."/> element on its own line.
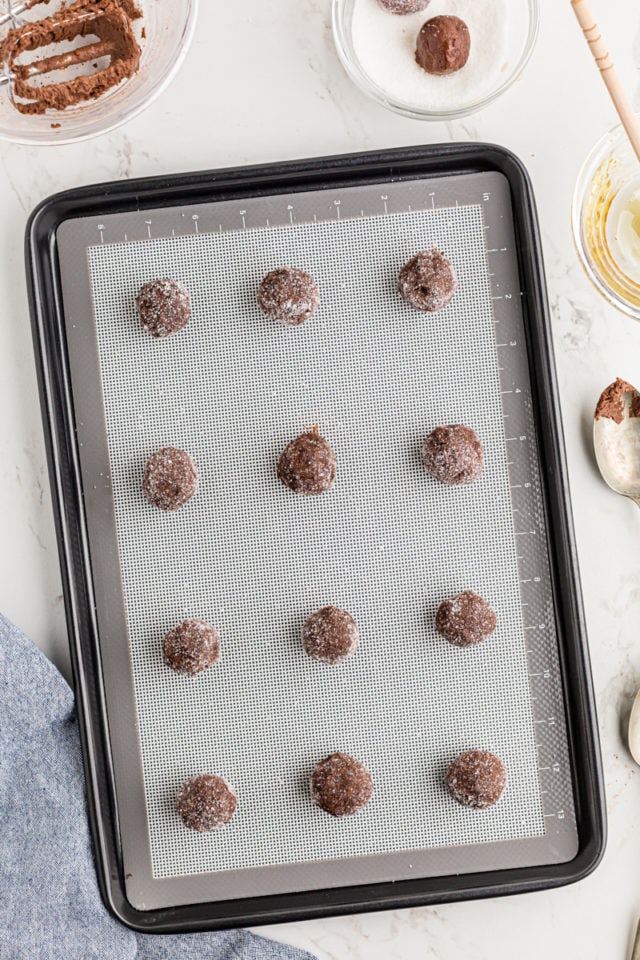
<point x="611" y="230"/>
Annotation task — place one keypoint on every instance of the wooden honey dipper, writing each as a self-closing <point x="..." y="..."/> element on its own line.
<point x="610" y="75"/>
<point x="109" y="20"/>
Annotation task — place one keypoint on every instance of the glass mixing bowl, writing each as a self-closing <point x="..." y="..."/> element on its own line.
<point x="521" y="31"/>
<point x="606" y="221"/>
<point x="168" y="29"/>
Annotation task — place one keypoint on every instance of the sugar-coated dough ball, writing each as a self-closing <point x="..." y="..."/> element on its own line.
<point x="308" y="465"/>
<point x="289" y="296"/>
<point x="341" y="785"/>
<point x="170" y="479"/>
<point x="453" y="455"/>
<point x="191" y="647"/>
<point x="330" y="635"/>
<point x="206" y="803"/>
<point x="443" y="45"/>
<point x="477" y="779"/>
<point x="404" y="7"/>
<point x="428" y="281"/>
<point x="466" y="620"/>
<point x="164" y="307"/>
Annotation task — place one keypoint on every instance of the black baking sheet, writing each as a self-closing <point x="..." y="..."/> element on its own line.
<point x="345" y="179"/>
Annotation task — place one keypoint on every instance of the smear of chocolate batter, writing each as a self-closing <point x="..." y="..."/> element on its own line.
<point x="611" y="403"/>
<point x="131" y="9"/>
<point x="108" y="20"/>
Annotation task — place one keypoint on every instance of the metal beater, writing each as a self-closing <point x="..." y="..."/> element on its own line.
<point x="109" y="20"/>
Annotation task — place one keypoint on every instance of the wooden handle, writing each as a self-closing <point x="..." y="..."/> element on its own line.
<point x="636" y="944"/>
<point x="601" y="55"/>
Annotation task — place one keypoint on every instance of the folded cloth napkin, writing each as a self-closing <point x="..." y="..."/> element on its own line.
<point x="50" y="906"/>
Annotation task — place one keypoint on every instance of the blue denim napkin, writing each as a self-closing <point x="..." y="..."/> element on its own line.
<point x="50" y="906"/>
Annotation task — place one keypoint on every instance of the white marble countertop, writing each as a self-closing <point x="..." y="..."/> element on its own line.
<point x="275" y="90"/>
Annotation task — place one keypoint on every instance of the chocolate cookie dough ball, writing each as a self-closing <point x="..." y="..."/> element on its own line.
<point x="477" y="779"/>
<point x="308" y="465"/>
<point x="404" y="7"/>
<point x="443" y="45"/>
<point x="170" y="479"/>
<point x="453" y="455"/>
<point x="330" y="635"/>
<point x="289" y="296"/>
<point x="466" y="620"/>
<point x="206" y="803"/>
<point x="191" y="647"/>
<point x="164" y="307"/>
<point x="428" y="281"/>
<point x="341" y="785"/>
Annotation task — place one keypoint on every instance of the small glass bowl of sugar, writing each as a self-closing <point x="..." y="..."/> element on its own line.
<point x="377" y="49"/>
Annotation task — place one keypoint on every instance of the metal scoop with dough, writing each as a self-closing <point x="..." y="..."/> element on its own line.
<point x="616" y="438"/>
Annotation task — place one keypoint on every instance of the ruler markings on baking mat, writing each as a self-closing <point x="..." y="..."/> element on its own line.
<point x="387" y="544"/>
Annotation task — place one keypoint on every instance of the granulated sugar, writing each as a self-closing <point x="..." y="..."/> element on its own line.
<point x="385" y="46"/>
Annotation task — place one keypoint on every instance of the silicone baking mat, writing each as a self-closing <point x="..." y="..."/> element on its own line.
<point x="388" y="543"/>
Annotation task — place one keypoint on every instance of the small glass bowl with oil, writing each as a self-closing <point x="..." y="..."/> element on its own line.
<point x="606" y="221"/>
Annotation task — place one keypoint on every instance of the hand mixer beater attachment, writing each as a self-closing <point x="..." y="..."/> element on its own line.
<point x="107" y="24"/>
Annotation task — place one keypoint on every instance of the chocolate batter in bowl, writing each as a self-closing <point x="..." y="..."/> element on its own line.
<point x="142" y="66"/>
